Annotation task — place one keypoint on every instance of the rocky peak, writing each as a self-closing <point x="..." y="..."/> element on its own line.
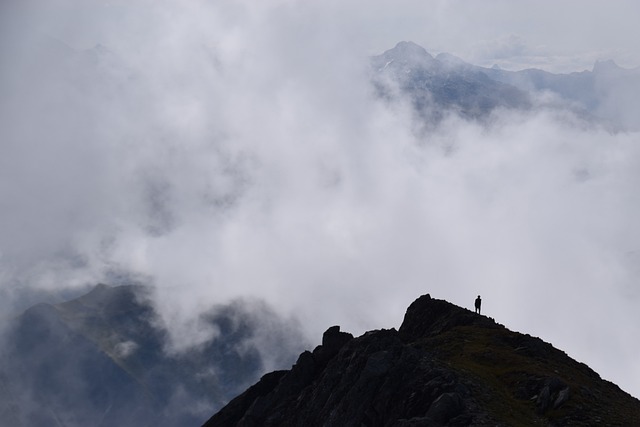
<point x="608" y="66"/>
<point x="410" y="49"/>
<point x="406" y="56"/>
<point x="427" y="317"/>
<point x="439" y="86"/>
<point x="446" y="366"/>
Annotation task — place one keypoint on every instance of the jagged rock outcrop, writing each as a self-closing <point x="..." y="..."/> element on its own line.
<point x="445" y="366"/>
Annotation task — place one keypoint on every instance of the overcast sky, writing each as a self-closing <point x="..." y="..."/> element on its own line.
<point x="567" y="35"/>
<point x="229" y="148"/>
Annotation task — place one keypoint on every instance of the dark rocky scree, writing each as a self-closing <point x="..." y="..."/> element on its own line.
<point x="445" y="366"/>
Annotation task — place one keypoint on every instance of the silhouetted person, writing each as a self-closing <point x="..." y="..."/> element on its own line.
<point x="478" y="304"/>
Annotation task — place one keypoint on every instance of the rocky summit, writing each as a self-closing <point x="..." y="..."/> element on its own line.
<point x="445" y="366"/>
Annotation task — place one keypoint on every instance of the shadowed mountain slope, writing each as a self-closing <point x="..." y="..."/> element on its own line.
<point x="445" y="366"/>
<point x="105" y="359"/>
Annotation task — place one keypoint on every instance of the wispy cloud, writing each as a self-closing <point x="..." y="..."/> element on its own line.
<point x="227" y="149"/>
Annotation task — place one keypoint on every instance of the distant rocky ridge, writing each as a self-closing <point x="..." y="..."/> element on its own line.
<point x="438" y="86"/>
<point x="102" y="360"/>
<point x="445" y="366"/>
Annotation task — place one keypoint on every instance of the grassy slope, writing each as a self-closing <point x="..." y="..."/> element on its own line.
<point x="504" y="365"/>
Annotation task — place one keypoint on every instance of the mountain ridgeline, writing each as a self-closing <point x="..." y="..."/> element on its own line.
<point x="445" y="84"/>
<point x="445" y="366"/>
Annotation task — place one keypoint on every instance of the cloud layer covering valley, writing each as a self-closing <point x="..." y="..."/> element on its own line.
<point x="226" y="149"/>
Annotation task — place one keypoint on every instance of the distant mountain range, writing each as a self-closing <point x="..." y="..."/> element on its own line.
<point x="446" y="84"/>
<point x="445" y="366"/>
<point x="104" y="359"/>
<point x="436" y="86"/>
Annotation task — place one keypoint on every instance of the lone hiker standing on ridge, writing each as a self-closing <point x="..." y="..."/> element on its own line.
<point x="478" y="303"/>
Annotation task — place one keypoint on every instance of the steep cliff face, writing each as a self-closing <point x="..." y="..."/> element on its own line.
<point x="444" y="366"/>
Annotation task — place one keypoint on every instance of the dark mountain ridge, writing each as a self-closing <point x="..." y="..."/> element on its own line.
<point x="445" y="366"/>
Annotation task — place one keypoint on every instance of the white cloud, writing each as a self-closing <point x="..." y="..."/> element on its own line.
<point x="228" y="150"/>
<point x="125" y="349"/>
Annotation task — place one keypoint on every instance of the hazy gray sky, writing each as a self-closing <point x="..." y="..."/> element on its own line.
<point x="230" y="148"/>
<point x="567" y="35"/>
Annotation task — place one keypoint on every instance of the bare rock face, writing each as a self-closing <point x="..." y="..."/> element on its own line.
<point x="446" y="366"/>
